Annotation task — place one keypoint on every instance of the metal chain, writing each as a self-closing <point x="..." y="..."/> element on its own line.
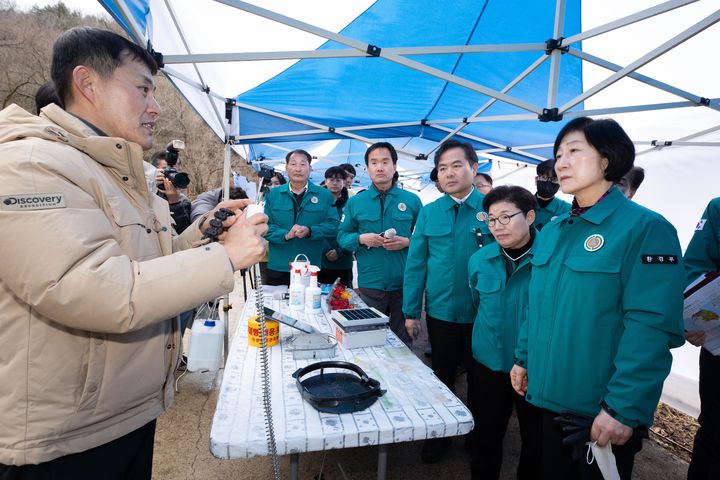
<point x="265" y="374"/>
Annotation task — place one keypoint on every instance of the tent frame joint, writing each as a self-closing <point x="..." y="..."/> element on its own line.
<point x="373" y="50"/>
<point x="230" y="103"/>
<point x="230" y="140"/>
<point x="705" y="102"/>
<point x="157" y="56"/>
<point x="550" y="115"/>
<point x="553" y="44"/>
<point x="656" y="143"/>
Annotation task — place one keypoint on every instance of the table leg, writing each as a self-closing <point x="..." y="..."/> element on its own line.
<point x="294" y="465"/>
<point x="382" y="462"/>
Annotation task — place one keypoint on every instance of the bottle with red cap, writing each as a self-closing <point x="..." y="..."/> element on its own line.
<point x="297" y="291"/>
<point x="313" y="293"/>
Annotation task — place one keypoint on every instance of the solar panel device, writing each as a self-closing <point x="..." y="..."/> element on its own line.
<point x="359" y="317"/>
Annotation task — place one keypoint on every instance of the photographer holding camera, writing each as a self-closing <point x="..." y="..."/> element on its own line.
<point x="169" y="180"/>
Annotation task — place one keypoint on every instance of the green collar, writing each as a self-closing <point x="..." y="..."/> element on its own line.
<point x="603" y="209"/>
<point x="376" y="193"/>
<point x="474" y="200"/>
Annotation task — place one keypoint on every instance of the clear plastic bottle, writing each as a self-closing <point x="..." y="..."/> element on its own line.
<point x="297" y="292"/>
<point x="313" y="294"/>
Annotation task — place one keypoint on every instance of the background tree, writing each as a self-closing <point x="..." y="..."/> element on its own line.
<point x="26" y="40"/>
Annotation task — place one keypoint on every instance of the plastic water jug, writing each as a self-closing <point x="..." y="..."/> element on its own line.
<point x="206" y="345"/>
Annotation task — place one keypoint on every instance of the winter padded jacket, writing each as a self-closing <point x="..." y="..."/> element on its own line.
<point x="88" y="281"/>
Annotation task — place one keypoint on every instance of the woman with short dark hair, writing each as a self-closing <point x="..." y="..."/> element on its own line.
<point x="605" y="307"/>
<point x="499" y="276"/>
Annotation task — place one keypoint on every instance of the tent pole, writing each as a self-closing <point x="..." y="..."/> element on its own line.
<point x="322" y="128"/>
<point x="633" y="108"/>
<point x="499" y="147"/>
<point x="490" y="102"/>
<point x="639" y="77"/>
<point x="122" y="9"/>
<point x="687" y="137"/>
<point x="205" y="86"/>
<point x="346" y="53"/>
<point x="652" y="55"/>
<point x="363" y="47"/>
<point x="630" y="19"/>
<point x="556" y="55"/>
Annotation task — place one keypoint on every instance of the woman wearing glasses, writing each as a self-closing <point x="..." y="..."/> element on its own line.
<point x="499" y="277"/>
<point x="605" y="307"/>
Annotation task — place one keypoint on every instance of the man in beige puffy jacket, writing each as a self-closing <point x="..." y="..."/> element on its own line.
<point x="89" y="272"/>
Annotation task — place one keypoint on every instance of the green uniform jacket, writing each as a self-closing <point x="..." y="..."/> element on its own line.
<point x="605" y="307"/>
<point x="345" y="258"/>
<point x="315" y="211"/>
<point x="379" y="268"/>
<point x="702" y="254"/>
<point x="556" y="208"/>
<point x="501" y="303"/>
<point x="437" y="262"/>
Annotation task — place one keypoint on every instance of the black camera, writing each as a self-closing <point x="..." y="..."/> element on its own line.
<point x="172" y="153"/>
<point x="266" y="172"/>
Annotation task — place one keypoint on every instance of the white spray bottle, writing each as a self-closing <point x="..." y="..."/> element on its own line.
<point x="313" y="293"/>
<point x="297" y="292"/>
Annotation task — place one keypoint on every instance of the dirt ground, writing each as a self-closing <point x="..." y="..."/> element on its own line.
<point x="674" y="430"/>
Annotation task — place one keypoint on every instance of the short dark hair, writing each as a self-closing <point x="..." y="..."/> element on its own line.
<point x="46" y="95"/>
<point x="237" y="193"/>
<point x="546" y="168"/>
<point x="518" y="196"/>
<point x="301" y="152"/>
<point x="335" y="172"/>
<point x="101" y="50"/>
<point x="157" y="156"/>
<point x="348" y="168"/>
<point x="608" y="138"/>
<point x="433" y="175"/>
<point x="487" y="177"/>
<point x="280" y="178"/>
<point x="375" y="146"/>
<point x="635" y="177"/>
<point x="470" y="154"/>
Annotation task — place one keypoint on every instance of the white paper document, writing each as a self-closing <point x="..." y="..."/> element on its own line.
<point x="702" y="309"/>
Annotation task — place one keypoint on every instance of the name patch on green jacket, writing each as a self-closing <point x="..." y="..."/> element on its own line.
<point x="659" y="259"/>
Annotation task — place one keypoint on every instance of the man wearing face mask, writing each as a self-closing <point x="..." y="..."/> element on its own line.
<point x="549" y="206"/>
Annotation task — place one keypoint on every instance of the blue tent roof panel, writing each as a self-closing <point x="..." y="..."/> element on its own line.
<point x="360" y="91"/>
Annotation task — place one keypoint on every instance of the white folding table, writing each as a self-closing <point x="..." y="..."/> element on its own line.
<point x="416" y="404"/>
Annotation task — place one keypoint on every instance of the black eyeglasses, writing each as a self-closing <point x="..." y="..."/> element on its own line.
<point x="503" y="219"/>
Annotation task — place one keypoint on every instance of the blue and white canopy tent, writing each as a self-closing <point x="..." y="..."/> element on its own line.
<point x="332" y="77"/>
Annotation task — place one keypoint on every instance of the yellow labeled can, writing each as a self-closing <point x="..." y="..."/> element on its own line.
<point x="254" y="338"/>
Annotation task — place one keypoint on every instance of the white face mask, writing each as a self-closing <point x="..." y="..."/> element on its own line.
<point x="604" y="458"/>
<point x="150" y="173"/>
